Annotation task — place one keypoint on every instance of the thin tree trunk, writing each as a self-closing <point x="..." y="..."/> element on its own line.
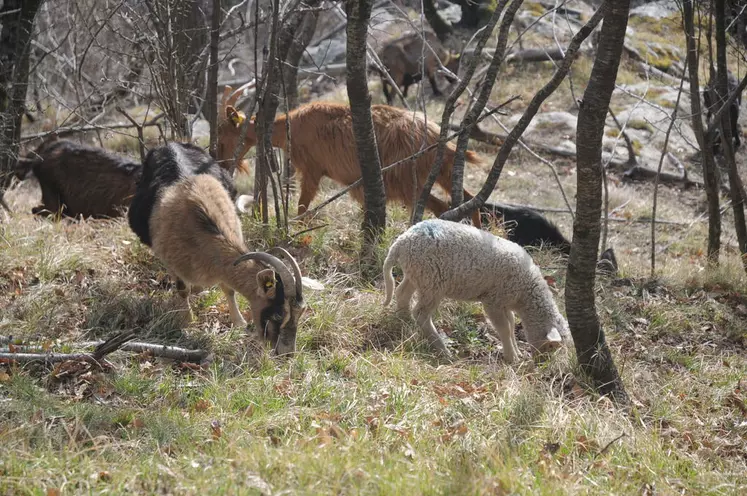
<point x="440" y="27"/>
<point x="449" y="108"/>
<point x="290" y="71"/>
<point x="593" y="354"/>
<point x="268" y="100"/>
<point x="710" y="178"/>
<point x="212" y="89"/>
<point x="295" y="52"/>
<point x="513" y="137"/>
<point x="374" y="217"/>
<point x="736" y="188"/>
<point x="470" y="120"/>
<point x="15" y="37"/>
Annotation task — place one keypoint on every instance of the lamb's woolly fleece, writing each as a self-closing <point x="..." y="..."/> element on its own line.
<point x="452" y="260"/>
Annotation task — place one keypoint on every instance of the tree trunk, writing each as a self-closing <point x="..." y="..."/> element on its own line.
<point x="295" y="52"/>
<point x="736" y="188"/>
<point x="374" y="217"/>
<point x="15" y="40"/>
<point x="592" y="351"/>
<point x="212" y="89"/>
<point x="710" y="179"/>
<point x="470" y="119"/>
<point x="290" y="71"/>
<point x="269" y="99"/>
<point x="440" y="27"/>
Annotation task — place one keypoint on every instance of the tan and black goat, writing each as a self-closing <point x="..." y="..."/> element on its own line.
<point x="195" y="231"/>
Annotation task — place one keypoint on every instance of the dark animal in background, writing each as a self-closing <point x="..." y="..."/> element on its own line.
<point x="712" y="105"/>
<point x="184" y="209"/>
<point x="163" y="167"/>
<point x="402" y="59"/>
<point x="525" y="226"/>
<point x="80" y="180"/>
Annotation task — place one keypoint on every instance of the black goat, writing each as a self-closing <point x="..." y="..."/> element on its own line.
<point x="78" y="179"/>
<point x="165" y="166"/>
<point x="525" y="226"/>
<point x="712" y="104"/>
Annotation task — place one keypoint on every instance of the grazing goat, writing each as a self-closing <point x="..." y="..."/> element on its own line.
<point x="525" y="226"/>
<point x="163" y="167"/>
<point x="712" y="105"/>
<point x="442" y="259"/>
<point x="401" y="57"/>
<point x="323" y="145"/>
<point x="196" y="232"/>
<point x="80" y="180"/>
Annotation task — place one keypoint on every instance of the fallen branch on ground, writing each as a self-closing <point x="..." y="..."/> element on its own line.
<point x="640" y="173"/>
<point x="496" y="139"/>
<point x="163" y="351"/>
<point x="535" y="55"/>
<point x="103" y="348"/>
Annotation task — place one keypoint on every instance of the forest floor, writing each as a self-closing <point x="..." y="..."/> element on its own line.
<point x="364" y="406"/>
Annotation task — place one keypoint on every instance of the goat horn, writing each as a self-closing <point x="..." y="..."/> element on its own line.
<point x="296" y="269"/>
<point x="272" y="261"/>
<point x="235" y="95"/>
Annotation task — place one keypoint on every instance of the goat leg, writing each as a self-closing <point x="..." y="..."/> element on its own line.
<point x="233" y="309"/>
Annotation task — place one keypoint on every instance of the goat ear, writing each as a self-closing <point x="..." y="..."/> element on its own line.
<point x="266" y="284"/>
<point x="235" y="116"/>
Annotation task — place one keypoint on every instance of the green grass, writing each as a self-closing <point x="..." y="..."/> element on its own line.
<point x="365" y="407"/>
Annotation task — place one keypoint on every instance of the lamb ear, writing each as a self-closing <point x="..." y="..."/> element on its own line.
<point x="266" y="284"/>
<point x="554" y="336"/>
<point x="310" y="283"/>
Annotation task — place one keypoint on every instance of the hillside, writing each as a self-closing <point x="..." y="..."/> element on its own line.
<point x="364" y="407"/>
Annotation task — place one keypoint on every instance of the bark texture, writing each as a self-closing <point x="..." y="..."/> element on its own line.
<point x="212" y="89"/>
<point x="593" y="353"/>
<point x="374" y="217"/>
<point x="15" y="39"/>
<point x="710" y="178"/>
<point x="736" y="188"/>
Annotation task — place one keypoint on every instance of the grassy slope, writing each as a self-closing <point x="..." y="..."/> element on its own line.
<point x="364" y="407"/>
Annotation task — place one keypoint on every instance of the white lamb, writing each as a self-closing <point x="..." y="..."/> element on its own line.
<point x="442" y="259"/>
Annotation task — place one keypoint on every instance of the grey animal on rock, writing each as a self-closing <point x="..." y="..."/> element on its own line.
<point x="402" y="59"/>
<point x="442" y="259"/>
